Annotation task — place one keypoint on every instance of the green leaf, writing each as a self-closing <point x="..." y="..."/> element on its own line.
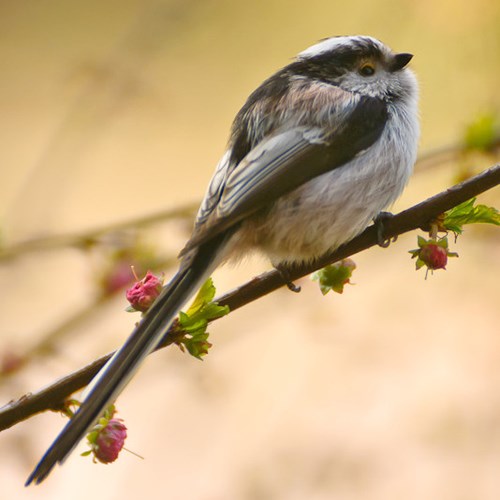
<point x="203" y="297"/>
<point x="468" y="213"/>
<point x="197" y="346"/>
<point x="481" y="133"/>
<point x="194" y="322"/>
<point x="421" y="241"/>
<point x="334" y="276"/>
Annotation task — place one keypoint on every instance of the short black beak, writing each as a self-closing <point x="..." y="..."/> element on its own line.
<point x="399" y="61"/>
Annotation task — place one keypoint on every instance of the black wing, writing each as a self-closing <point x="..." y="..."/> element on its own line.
<point x="282" y="163"/>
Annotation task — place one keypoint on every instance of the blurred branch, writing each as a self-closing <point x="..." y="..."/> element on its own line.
<point x="89" y="238"/>
<point x="186" y="213"/>
<point x="449" y="153"/>
<point x="418" y="216"/>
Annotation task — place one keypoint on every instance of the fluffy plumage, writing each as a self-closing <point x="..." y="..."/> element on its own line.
<point x="316" y="152"/>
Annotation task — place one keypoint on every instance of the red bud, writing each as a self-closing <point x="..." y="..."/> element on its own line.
<point x="142" y="295"/>
<point x="109" y="441"/>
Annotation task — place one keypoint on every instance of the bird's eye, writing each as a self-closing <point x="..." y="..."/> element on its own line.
<point x="367" y="70"/>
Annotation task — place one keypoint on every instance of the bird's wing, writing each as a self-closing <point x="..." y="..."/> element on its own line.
<point x="282" y="163"/>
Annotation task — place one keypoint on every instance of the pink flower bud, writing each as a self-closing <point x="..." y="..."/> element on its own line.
<point x="142" y="295"/>
<point x="434" y="256"/>
<point x="109" y="441"/>
<point x="432" y="253"/>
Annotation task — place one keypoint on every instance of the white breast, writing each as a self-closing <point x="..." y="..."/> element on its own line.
<point x="334" y="207"/>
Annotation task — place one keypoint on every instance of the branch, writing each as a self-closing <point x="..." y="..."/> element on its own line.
<point x="418" y="216"/>
<point x="444" y="154"/>
<point x="91" y="237"/>
<point x="85" y="239"/>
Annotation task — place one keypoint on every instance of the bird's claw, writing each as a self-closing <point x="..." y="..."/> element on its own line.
<point x="285" y="275"/>
<point x="382" y="241"/>
<point x="293" y="287"/>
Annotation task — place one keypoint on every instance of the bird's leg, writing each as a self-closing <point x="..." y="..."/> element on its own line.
<point x="285" y="275"/>
<point x="379" y="225"/>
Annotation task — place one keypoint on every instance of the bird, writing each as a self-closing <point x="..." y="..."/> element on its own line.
<point x="315" y="154"/>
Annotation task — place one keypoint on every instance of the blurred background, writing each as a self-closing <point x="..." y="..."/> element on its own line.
<point x="113" y="114"/>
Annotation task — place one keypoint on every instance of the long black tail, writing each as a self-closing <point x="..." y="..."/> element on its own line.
<point x="113" y="377"/>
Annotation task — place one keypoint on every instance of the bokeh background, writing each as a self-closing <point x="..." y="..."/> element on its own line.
<point x="110" y="111"/>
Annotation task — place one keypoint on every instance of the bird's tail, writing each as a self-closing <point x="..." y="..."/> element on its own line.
<point x="113" y="377"/>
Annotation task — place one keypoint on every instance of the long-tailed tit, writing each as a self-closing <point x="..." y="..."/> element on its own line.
<point x="316" y="152"/>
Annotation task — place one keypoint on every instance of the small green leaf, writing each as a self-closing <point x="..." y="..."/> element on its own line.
<point x="194" y="322"/>
<point x="198" y="346"/>
<point x="468" y="213"/>
<point x="334" y="276"/>
<point x="203" y="297"/>
<point x="202" y="309"/>
<point x="214" y="310"/>
<point x="443" y="243"/>
<point x="183" y="318"/>
<point x="421" y="241"/>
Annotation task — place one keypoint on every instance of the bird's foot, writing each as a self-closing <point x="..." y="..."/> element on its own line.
<point x="379" y="221"/>
<point x="286" y="278"/>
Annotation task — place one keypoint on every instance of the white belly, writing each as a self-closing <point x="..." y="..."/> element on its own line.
<point x="334" y="207"/>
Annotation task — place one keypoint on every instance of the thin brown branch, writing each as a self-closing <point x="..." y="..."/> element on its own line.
<point x="452" y="152"/>
<point x="89" y="238"/>
<point x="426" y="160"/>
<point x="408" y="220"/>
<point x="52" y="397"/>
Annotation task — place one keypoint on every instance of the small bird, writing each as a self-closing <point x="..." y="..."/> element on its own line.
<point x="317" y="151"/>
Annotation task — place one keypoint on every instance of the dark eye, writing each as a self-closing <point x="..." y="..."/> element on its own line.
<point x="366" y="70"/>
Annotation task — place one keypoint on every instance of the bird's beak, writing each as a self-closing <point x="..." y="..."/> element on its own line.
<point x="399" y="61"/>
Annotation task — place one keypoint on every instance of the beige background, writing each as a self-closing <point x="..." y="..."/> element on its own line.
<point x="111" y="110"/>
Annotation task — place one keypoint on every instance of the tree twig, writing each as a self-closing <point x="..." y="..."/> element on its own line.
<point x="91" y="237"/>
<point x="443" y="154"/>
<point x="425" y="160"/>
<point x="53" y="396"/>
